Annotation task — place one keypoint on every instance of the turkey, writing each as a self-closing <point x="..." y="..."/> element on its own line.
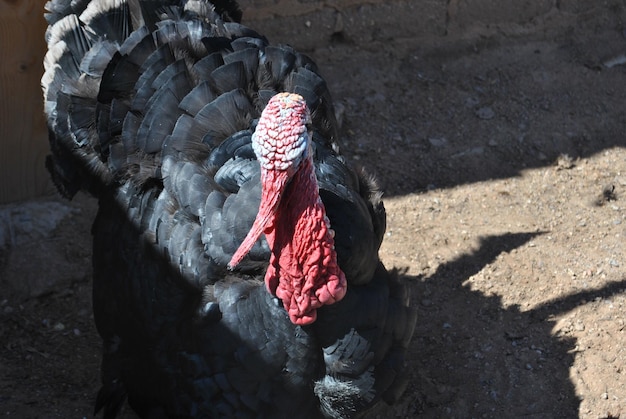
<point x="235" y="252"/>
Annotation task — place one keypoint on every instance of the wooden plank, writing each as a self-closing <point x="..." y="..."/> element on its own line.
<point x="23" y="132"/>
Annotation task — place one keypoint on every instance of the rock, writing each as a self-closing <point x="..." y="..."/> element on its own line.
<point x="35" y="258"/>
<point x="30" y="221"/>
<point x="438" y="142"/>
<point x="485" y="113"/>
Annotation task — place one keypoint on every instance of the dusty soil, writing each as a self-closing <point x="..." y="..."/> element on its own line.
<point x="504" y="163"/>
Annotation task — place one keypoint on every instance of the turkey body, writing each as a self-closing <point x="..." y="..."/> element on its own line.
<point x="152" y="107"/>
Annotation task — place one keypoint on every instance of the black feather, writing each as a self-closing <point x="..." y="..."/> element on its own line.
<point x="280" y="61"/>
<point x="160" y="60"/>
<point x="197" y="98"/>
<point x="230" y="112"/>
<point x="118" y="79"/>
<point x="249" y="57"/>
<point x="228" y="77"/>
<point x="205" y="66"/>
<point x="108" y="20"/>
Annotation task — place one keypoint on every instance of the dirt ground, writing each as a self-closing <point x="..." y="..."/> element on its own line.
<point x="503" y="158"/>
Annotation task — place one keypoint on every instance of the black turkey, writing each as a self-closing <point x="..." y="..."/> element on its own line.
<point x="236" y="269"/>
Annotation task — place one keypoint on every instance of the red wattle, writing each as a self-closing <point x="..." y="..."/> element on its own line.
<point x="303" y="270"/>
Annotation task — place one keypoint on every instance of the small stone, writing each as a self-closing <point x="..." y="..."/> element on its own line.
<point x="471" y="101"/>
<point x="485" y="113"/>
<point x="564" y="162"/>
<point x="438" y="142"/>
<point x="59" y="327"/>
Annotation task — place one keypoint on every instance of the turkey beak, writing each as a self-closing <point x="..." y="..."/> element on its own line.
<point x="274" y="183"/>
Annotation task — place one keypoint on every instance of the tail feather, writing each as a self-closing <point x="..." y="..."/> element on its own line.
<point x="108" y="19"/>
<point x="97" y="58"/>
<point x="96" y="51"/>
<point x="69" y="30"/>
<point x="229" y="10"/>
<point x="58" y="9"/>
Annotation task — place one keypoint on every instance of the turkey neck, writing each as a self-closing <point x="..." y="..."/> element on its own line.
<point x="303" y="270"/>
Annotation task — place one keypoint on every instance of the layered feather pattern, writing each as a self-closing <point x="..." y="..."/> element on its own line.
<point x="151" y="106"/>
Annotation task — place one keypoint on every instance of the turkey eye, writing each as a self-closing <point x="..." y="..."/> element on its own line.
<point x="309" y="126"/>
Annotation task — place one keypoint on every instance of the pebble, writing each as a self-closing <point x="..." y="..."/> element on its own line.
<point x="438" y="142"/>
<point x="485" y="113"/>
<point x="494" y="395"/>
<point x="471" y="101"/>
<point x="25" y="222"/>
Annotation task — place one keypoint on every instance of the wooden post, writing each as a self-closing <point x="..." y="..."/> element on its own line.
<point x="23" y="132"/>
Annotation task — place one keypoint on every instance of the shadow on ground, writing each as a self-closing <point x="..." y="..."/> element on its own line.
<point x="472" y="356"/>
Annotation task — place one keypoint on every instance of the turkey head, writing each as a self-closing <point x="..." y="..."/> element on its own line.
<point x="303" y="270"/>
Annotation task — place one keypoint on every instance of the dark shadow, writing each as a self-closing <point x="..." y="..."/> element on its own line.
<point x="473" y="357"/>
<point x="571" y="301"/>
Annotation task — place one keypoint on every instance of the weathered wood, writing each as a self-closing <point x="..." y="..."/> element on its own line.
<point x="23" y="132"/>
